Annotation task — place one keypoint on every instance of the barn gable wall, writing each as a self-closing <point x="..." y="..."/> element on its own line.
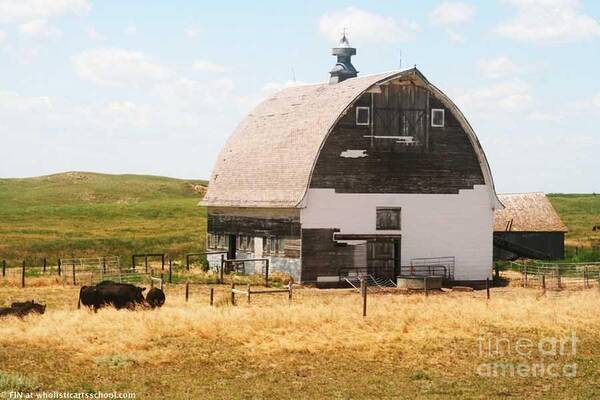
<point x="441" y="160"/>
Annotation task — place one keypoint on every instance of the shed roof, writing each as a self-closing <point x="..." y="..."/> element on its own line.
<point x="529" y="212"/>
<point x="269" y="158"/>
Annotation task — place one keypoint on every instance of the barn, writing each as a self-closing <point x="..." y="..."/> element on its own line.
<point x="379" y="175"/>
<point x="529" y="227"/>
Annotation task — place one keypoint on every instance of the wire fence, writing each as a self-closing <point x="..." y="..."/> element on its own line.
<point x="558" y="276"/>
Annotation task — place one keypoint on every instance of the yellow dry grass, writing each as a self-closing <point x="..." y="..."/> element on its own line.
<point x="317" y="346"/>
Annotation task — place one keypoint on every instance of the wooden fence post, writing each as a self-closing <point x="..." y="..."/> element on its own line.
<point x="74" y="281"/>
<point x="487" y="287"/>
<point x="133" y="262"/>
<point x="104" y="265"/>
<point x="525" y="281"/>
<point x="44" y="268"/>
<point x="585" y="278"/>
<point x="187" y="291"/>
<point x="23" y="275"/>
<point x="212" y="295"/>
<point x="248" y="288"/>
<point x="266" y="273"/>
<point x="187" y="262"/>
<point x="222" y="268"/>
<point x="425" y="286"/>
<point x="543" y="284"/>
<point x="162" y="260"/>
<point x="146" y="262"/>
<point x="496" y="271"/>
<point x="170" y="271"/>
<point x="59" y="265"/>
<point x="3" y="268"/>
<point x="290" y="290"/>
<point x="557" y="277"/>
<point x="363" y="290"/>
<point x="232" y="293"/>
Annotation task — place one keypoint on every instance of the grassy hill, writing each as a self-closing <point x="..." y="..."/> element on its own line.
<point x="580" y="212"/>
<point x="78" y="214"/>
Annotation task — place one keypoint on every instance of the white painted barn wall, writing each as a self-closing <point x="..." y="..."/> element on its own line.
<point x="433" y="225"/>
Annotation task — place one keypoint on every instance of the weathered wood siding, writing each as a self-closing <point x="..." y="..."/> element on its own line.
<point x="441" y="160"/>
<point x="281" y="223"/>
<point x="322" y="256"/>
<point x="551" y="243"/>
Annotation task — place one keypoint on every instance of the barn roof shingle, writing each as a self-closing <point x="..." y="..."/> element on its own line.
<point x="529" y="212"/>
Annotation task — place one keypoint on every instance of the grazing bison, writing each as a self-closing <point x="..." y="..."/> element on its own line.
<point x="21" y="309"/>
<point x="155" y="297"/>
<point x="118" y="295"/>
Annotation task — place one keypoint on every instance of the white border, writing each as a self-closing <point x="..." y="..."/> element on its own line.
<point x="368" y="116"/>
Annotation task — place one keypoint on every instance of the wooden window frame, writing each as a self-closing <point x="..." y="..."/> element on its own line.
<point x="433" y="124"/>
<point x="368" y="109"/>
<point x="387" y="228"/>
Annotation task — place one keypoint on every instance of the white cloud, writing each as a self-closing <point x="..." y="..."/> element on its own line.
<point x="2" y="37"/>
<point x="513" y="96"/>
<point x="452" y="13"/>
<point x="545" y="116"/>
<point x="39" y="28"/>
<point x="498" y="67"/>
<point x="93" y="34"/>
<point x="549" y="22"/>
<point x="18" y="11"/>
<point x="365" y="26"/>
<point x="192" y="32"/>
<point x="209" y="66"/>
<point x="114" y="67"/>
<point x="596" y="101"/>
<point x="33" y="17"/>
<point x="131" y="29"/>
<point x="456" y="37"/>
<point x="273" y="87"/>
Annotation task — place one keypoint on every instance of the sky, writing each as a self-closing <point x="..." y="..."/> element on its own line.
<point x="156" y="87"/>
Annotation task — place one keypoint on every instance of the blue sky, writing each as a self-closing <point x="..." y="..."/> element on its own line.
<point x="156" y="87"/>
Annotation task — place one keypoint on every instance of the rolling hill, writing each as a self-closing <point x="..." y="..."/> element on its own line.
<point x="78" y="214"/>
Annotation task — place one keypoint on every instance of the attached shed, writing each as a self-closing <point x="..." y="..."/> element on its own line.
<point x="379" y="175"/>
<point x="528" y="226"/>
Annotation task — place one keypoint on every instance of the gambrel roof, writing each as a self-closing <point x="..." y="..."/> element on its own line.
<point x="269" y="158"/>
<point x="527" y="212"/>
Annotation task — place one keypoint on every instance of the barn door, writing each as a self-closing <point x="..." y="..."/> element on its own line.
<point x="383" y="257"/>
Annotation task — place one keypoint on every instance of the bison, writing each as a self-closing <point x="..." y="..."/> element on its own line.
<point x="155" y="297"/>
<point x="21" y="309"/>
<point x="118" y="295"/>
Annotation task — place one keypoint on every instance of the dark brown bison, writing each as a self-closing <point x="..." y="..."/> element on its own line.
<point x="108" y="293"/>
<point x="155" y="297"/>
<point x="21" y="309"/>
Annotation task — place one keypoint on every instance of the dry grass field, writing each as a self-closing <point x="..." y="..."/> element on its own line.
<point x="319" y="346"/>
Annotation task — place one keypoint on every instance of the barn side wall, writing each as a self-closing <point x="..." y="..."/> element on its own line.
<point x="551" y="243"/>
<point x="270" y="233"/>
<point x="443" y="225"/>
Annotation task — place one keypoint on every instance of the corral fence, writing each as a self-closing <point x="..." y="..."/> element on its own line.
<point x="76" y="271"/>
<point x="558" y="276"/>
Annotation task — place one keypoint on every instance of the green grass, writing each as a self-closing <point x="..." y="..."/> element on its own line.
<point x="580" y="212"/>
<point x="88" y="214"/>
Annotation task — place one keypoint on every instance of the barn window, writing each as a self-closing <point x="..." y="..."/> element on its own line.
<point x="362" y="116"/>
<point x="388" y="218"/>
<point x="437" y="118"/>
